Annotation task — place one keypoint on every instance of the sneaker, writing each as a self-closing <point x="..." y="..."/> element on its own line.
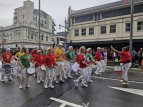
<point x="2" y="80"/>
<point x="125" y="83"/>
<point x="57" y="82"/>
<point x="76" y="73"/>
<point x="121" y="80"/>
<point x="84" y="85"/>
<point x="27" y="86"/>
<point x="45" y="86"/>
<point x="38" y="82"/>
<point x="76" y="83"/>
<point x="43" y="80"/>
<point x="90" y="81"/>
<point x="52" y="86"/>
<point x="65" y="77"/>
<point x="62" y="81"/>
<point x="34" y="75"/>
<point x="10" y="79"/>
<point x="70" y="76"/>
<point x="20" y="86"/>
<point x="99" y="73"/>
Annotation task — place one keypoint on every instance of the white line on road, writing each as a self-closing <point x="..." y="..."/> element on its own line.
<point x="116" y="79"/>
<point x="130" y="90"/>
<point x="64" y="103"/>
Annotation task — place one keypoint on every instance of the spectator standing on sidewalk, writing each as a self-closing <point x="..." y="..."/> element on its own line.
<point x="114" y="55"/>
<point x="140" y="55"/>
<point x="134" y="53"/>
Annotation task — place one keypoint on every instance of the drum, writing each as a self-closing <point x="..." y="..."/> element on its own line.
<point x="0" y="64"/>
<point x="118" y="69"/>
<point x="30" y="71"/>
<point x="13" y="63"/>
<point x="43" y="68"/>
<point x="6" y="69"/>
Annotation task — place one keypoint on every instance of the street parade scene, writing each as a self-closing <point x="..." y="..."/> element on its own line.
<point x="96" y="62"/>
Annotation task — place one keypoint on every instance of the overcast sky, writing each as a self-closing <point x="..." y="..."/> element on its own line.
<point x="58" y="9"/>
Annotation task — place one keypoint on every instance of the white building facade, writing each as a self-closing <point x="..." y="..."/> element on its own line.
<point x="25" y="31"/>
<point x="106" y="25"/>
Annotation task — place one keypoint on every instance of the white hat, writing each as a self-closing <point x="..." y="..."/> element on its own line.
<point x="39" y="51"/>
<point x="60" y="44"/>
<point x="88" y="49"/>
<point x="8" y="49"/>
<point x="98" y="48"/>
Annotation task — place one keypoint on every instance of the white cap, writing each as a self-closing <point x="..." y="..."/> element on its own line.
<point x="8" y="49"/>
<point x="39" y="51"/>
<point x="88" y="49"/>
<point x="60" y="44"/>
<point x="98" y="48"/>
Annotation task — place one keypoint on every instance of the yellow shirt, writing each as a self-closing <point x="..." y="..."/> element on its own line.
<point x="57" y="53"/>
<point x="18" y="54"/>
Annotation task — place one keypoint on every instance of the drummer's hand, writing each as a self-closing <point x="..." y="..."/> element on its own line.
<point x="4" y="62"/>
<point x="87" y="64"/>
<point x="55" y="64"/>
<point x="70" y="61"/>
<point x="23" y="67"/>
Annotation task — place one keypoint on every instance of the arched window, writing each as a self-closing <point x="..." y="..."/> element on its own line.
<point x="46" y="38"/>
<point x="31" y="36"/>
<point x="11" y="36"/>
<point x="42" y="37"/>
<point x="7" y="36"/>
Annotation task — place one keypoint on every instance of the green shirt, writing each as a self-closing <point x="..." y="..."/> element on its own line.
<point x="90" y="57"/>
<point x="45" y="53"/>
<point x="69" y="55"/>
<point x="73" y="53"/>
<point x="24" y="61"/>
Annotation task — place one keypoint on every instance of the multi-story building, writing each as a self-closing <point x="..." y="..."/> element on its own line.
<point x="106" y="25"/>
<point x="24" y="31"/>
<point x="53" y="27"/>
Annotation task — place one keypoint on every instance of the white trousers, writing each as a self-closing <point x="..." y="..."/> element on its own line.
<point x="49" y="76"/>
<point x="102" y="65"/>
<point x="18" y="69"/>
<point x="105" y="64"/>
<point x="98" y="67"/>
<point x="40" y="73"/>
<point x="68" y="68"/>
<point x="24" y="75"/>
<point x="125" y="69"/>
<point x="83" y="75"/>
<point x="89" y="71"/>
<point x="61" y="67"/>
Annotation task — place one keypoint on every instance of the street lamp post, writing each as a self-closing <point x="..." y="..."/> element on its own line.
<point x="39" y="25"/>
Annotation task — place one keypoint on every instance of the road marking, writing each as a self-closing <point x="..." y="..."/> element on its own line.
<point x="116" y="79"/>
<point x="130" y="90"/>
<point x="131" y="68"/>
<point x="64" y="103"/>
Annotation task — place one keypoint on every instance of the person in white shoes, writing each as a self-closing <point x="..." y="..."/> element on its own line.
<point x="91" y="61"/>
<point x="105" y="59"/>
<point x="102" y="60"/>
<point x="69" y="58"/>
<point x="125" y="62"/>
<point x="59" y="60"/>
<point x="82" y="66"/>
<point x="98" y="61"/>
<point x="24" y="62"/>
<point x="50" y="68"/>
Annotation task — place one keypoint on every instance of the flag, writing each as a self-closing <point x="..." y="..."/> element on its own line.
<point x="125" y="0"/>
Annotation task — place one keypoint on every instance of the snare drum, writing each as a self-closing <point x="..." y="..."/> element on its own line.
<point x="43" y="68"/>
<point x="30" y="71"/>
<point x="6" y="69"/>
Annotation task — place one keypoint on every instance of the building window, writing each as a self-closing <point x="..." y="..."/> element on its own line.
<point x="103" y="29"/>
<point x="112" y="28"/>
<point x="45" y="27"/>
<point x="97" y="16"/>
<point x="140" y="26"/>
<point x="84" y="18"/>
<point x="91" y="31"/>
<point x="11" y="36"/>
<point x="127" y="27"/>
<point x="72" y="20"/>
<point x="23" y="16"/>
<point x="41" y="21"/>
<point x="35" y="19"/>
<point x="31" y="36"/>
<point x="46" y="38"/>
<point x="83" y="32"/>
<point x="42" y="37"/>
<point x="45" y="22"/>
<point x="7" y="36"/>
<point x="77" y="32"/>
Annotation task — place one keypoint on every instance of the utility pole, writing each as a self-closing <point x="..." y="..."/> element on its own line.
<point x="65" y="32"/>
<point x="131" y="27"/>
<point x="39" y="25"/>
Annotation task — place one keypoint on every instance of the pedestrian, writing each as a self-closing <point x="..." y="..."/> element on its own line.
<point x="125" y="62"/>
<point x="75" y="67"/>
<point x="59" y="62"/>
<point x="50" y="68"/>
<point x="98" y="61"/>
<point x="134" y="53"/>
<point x="33" y="57"/>
<point x="17" y="50"/>
<point x="7" y="59"/>
<point x="24" y="61"/>
<point x="102" y="60"/>
<point x="69" y="57"/>
<point x="32" y="52"/>
<point x="140" y="56"/>
<point x="105" y="58"/>
<point x="17" y="56"/>
<point x="45" y="52"/>
<point x="82" y="66"/>
<point x="114" y="56"/>
<point x="39" y="60"/>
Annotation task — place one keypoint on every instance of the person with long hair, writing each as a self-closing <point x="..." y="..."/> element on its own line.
<point x="50" y="68"/>
<point x="125" y="62"/>
<point x="39" y="60"/>
<point x="82" y="66"/>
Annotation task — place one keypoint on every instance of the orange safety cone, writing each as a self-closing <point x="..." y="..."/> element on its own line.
<point x="142" y="64"/>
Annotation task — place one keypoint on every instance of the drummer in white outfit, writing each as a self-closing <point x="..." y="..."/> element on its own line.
<point x="24" y="62"/>
<point x="0" y="64"/>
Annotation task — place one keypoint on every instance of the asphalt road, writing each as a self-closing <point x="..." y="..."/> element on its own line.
<point x="105" y="91"/>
